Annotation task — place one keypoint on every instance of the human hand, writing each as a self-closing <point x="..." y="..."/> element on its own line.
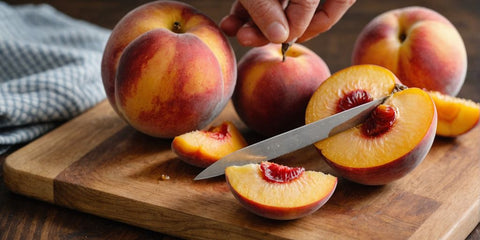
<point x="258" y="22"/>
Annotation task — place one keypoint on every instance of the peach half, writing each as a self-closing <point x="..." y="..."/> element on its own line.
<point x="456" y="116"/>
<point x="392" y="141"/>
<point x="279" y="192"/>
<point x="201" y="148"/>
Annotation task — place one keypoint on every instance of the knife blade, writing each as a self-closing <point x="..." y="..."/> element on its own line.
<point x="292" y="140"/>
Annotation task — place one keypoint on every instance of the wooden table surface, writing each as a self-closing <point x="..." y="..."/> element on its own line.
<point x="24" y="218"/>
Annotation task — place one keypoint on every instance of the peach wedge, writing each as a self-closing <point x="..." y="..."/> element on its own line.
<point x="204" y="147"/>
<point x="392" y="141"/>
<point x="279" y="192"/>
<point x="456" y="116"/>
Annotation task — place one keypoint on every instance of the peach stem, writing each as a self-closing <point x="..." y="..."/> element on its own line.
<point x="177" y="27"/>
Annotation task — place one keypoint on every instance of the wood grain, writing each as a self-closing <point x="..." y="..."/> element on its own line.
<point x="95" y="127"/>
<point x="118" y="176"/>
<point x="25" y="218"/>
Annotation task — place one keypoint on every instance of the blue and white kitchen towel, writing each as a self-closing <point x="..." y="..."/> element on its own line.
<point x="49" y="70"/>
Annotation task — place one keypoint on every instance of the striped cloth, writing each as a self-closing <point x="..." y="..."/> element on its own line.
<point x="49" y="70"/>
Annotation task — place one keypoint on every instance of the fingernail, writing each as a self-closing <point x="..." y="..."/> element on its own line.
<point x="276" y="32"/>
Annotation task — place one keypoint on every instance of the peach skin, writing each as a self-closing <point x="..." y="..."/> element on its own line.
<point x="391" y="142"/>
<point x="279" y="192"/>
<point x="271" y="94"/>
<point x="204" y="147"/>
<point x="167" y="69"/>
<point x="420" y="46"/>
<point x="456" y="116"/>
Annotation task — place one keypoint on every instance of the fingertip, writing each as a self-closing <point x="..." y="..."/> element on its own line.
<point x="300" y="14"/>
<point x="270" y="19"/>
<point x="307" y="36"/>
<point x="326" y="17"/>
<point x="230" y="25"/>
<point x="251" y="36"/>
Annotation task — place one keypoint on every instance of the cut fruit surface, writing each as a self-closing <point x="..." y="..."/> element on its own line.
<point x="391" y="142"/>
<point x="456" y="116"/>
<point x="325" y="101"/>
<point x="292" y="199"/>
<point x="415" y="111"/>
<point x="202" y="148"/>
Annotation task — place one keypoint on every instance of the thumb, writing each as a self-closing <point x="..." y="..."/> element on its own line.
<point x="269" y="17"/>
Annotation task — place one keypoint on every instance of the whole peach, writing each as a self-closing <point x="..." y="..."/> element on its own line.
<point x="420" y="46"/>
<point x="167" y="69"/>
<point x="271" y="94"/>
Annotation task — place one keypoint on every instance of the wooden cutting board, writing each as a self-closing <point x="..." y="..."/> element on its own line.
<point x="99" y="165"/>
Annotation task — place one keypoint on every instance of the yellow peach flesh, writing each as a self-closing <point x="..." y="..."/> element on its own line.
<point x="321" y="105"/>
<point x="194" y="143"/>
<point x="414" y="109"/>
<point x="203" y="147"/>
<point x="455" y="115"/>
<point x="311" y="187"/>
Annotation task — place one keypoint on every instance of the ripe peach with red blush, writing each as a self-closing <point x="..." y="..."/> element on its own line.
<point x="420" y="46"/>
<point x="271" y="94"/>
<point x="167" y="69"/>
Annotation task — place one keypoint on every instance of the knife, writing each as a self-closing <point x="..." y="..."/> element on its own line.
<point x="292" y="140"/>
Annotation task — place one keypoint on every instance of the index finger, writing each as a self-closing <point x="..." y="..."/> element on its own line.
<point x="325" y="17"/>
<point x="238" y="16"/>
<point x="269" y="17"/>
<point x="299" y="14"/>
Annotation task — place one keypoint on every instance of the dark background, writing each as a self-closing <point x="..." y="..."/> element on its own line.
<point x="24" y="218"/>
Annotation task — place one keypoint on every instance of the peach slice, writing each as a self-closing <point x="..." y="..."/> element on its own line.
<point x="279" y="192"/>
<point x="456" y="116"/>
<point x="391" y="142"/>
<point x="204" y="147"/>
<point x="325" y="101"/>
